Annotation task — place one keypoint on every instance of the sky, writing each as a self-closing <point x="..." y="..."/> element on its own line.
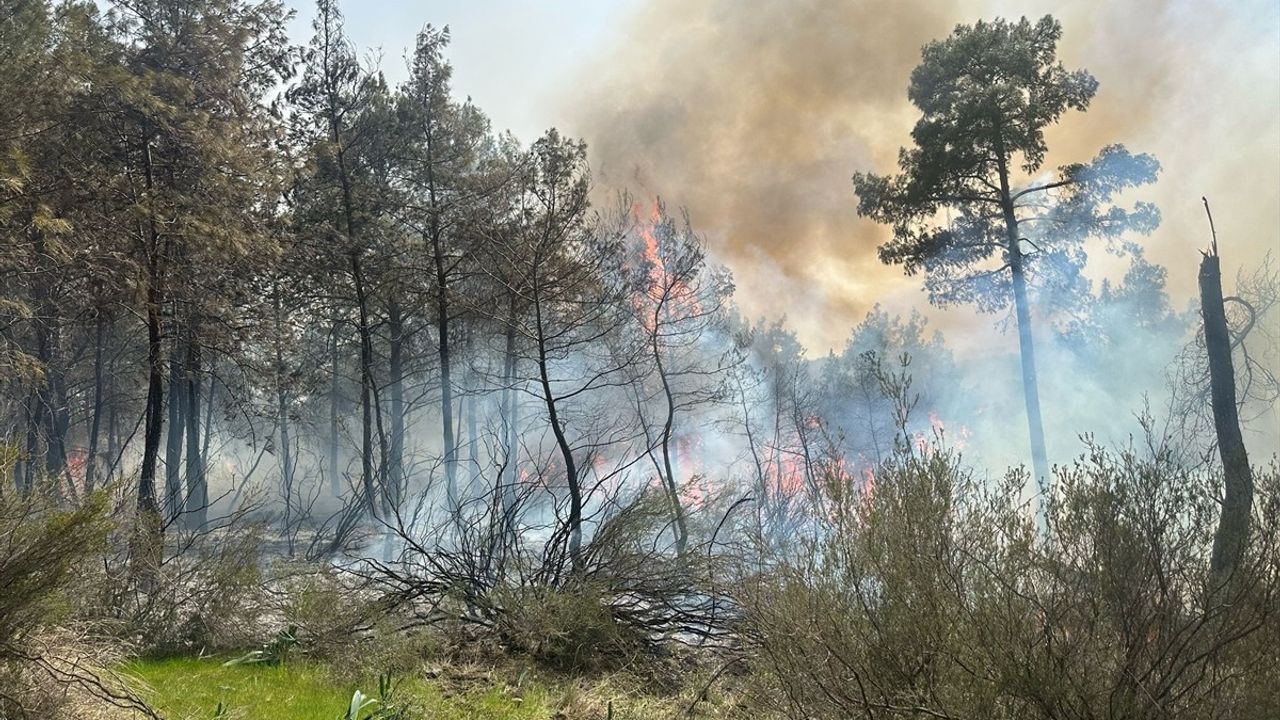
<point x="513" y="57"/>
<point x="754" y="114"/>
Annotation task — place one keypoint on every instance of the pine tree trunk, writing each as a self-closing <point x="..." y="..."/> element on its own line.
<point x="395" y="361"/>
<point x="366" y="390"/>
<point x="173" y="500"/>
<point x="473" y="415"/>
<point x="510" y="419"/>
<point x="148" y="507"/>
<point x="335" y="484"/>
<point x="95" y="411"/>
<point x="446" y="380"/>
<point x="282" y="419"/>
<point x="154" y="421"/>
<point x="197" y="482"/>
<point x="1026" y="344"/>
<point x="1030" y="383"/>
<point x="57" y="413"/>
<point x="35" y="418"/>
<point x="668" y="427"/>
<point x="573" y="523"/>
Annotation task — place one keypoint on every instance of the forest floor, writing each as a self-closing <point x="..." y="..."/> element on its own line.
<point x="201" y="688"/>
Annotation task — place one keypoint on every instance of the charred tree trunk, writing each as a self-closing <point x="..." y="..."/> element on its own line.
<point x="668" y="430"/>
<point x="54" y="398"/>
<point x="366" y="390"/>
<point x="507" y="484"/>
<point x="148" y="507"/>
<point x="473" y="414"/>
<point x="154" y="421"/>
<point x="34" y="418"/>
<point x="573" y="523"/>
<point x="113" y="427"/>
<point x="446" y="379"/>
<point x="1232" y="535"/>
<point x="207" y="429"/>
<point x="335" y="484"/>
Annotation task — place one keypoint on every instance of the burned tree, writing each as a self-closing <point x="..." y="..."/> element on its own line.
<point x="678" y="304"/>
<point x="1233" y="529"/>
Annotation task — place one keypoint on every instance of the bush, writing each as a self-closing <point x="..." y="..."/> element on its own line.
<point x="572" y="628"/>
<point x="933" y="595"/>
<point x="630" y="596"/>
<point x="191" y="592"/>
<point x="50" y="666"/>
<point x="343" y="622"/>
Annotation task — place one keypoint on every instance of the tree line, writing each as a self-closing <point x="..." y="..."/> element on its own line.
<point x="227" y="257"/>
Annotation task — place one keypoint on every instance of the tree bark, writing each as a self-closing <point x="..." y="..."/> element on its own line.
<point x="366" y="389"/>
<point x="282" y="420"/>
<point x="154" y="421"/>
<point x="95" y="411"/>
<point x="148" y="507"/>
<point x="1026" y="344"/>
<point x="446" y="380"/>
<point x="510" y="420"/>
<point x="395" y="362"/>
<point x="173" y="500"/>
<point x="35" y="418"/>
<point x="1232" y="534"/>
<point x="197" y="482"/>
<point x="335" y="484"/>
<point x="668" y="426"/>
<point x="573" y="524"/>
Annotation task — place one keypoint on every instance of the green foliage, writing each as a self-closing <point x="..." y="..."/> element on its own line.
<point x="272" y="653"/>
<point x="384" y="707"/>
<point x="986" y="95"/>
<point x="569" y="628"/>
<point x="181" y="688"/>
<point x="44" y="548"/>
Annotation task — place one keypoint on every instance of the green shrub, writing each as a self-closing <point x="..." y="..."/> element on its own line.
<point x="51" y="665"/>
<point x="193" y="593"/>
<point x="933" y="595"/>
<point x="571" y="628"/>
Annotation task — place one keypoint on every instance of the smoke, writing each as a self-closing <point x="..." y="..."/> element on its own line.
<point x="755" y="114"/>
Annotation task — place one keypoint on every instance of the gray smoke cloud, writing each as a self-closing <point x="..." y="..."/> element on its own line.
<point x="755" y="114"/>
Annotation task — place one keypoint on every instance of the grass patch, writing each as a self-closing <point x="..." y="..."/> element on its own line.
<point x="192" y="688"/>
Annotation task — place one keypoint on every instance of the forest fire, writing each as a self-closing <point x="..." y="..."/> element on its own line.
<point x="311" y="373"/>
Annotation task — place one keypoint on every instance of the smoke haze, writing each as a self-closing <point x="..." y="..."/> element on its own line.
<point x="754" y="115"/>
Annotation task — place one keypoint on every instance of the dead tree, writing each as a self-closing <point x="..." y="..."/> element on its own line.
<point x="1233" y="527"/>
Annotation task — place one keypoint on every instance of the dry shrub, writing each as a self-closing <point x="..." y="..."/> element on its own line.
<point x="933" y="596"/>
<point x="199" y="591"/>
<point x="341" y="620"/>
<point x="571" y="628"/>
<point x="628" y="599"/>
<point x="50" y="667"/>
<point x="66" y="673"/>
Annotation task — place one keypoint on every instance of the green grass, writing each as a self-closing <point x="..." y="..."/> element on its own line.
<point x="190" y="689"/>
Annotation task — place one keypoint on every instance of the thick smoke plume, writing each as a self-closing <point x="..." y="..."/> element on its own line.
<point x="755" y="114"/>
